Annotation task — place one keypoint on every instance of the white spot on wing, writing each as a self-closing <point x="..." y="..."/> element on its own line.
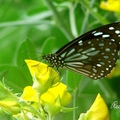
<point x="105" y="35"/>
<point x="113" y="54"/>
<point x="102" y="71"/>
<point x="95" y="77"/>
<point x="74" y="64"/>
<point x="117" y="31"/>
<point x="110" y="65"/>
<point x="113" y="39"/>
<point x="88" y="50"/>
<point x="93" y="32"/>
<point x="93" y="53"/>
<point x="107" y="68"/>
<point x="107" y="49"/>
<point x="80" y="50"/>
<point x="89" y="42"/>
<point x="80" y="42"/>
<point x="99" y="65"/>
<point x="92" y="48"/>
<point x="101" y="74"/>
<point x="111" y="28"/>
<point x="76" y="57"/>
<point x="82" y="71"/>
<point x="94" y="70"/>
<point x="70" y="52"/>
<point x="102" y="63"/>
<point x="63" y="54"/>
<point x="101" y="44"/>
<point x="98" y="33"/>
<point x="110" y="43"/>
<point x="106" y="57"/>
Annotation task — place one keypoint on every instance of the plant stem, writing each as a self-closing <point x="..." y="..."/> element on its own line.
<point x="85" y="21"/>
<point x="107" y="90"/>
<point x="74" y="103"/>
<point x="60" y="20"/>
<point x="94" y="12"/>
<point x="49" y="117"/>
<point x="39" y="106"/>
<point x="72" y="20"/>
<point x="33" y="110"/>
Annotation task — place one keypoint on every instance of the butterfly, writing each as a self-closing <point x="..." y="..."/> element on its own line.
<point x="93" y="54"/>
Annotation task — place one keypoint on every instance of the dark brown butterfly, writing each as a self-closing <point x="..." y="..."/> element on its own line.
<point x="93" y="54"/>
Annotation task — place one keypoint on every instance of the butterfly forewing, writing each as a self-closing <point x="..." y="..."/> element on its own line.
<point x="93" y="54"/>
<point x="110" y="31"/>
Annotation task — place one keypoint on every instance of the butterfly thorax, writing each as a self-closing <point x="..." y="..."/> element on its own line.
<point x="54" y="60"/>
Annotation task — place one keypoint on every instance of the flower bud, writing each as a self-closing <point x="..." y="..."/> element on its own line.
<point x="10" y="106"/>
<point x="5" y="92"/>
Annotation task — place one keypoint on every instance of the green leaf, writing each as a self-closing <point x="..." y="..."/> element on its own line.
<point x="48" y="45"/>
<point x="15" y="78"/>
<point x="26" y="51"/>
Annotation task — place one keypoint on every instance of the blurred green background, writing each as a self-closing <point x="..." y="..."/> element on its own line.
<point x="32" y="28"/>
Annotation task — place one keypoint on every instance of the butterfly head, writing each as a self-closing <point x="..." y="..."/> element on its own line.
<point x="54" y="60"/>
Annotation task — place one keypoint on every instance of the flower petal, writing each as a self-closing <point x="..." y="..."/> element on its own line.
<point x="42" y="71"/>
<point x="54" y="92"/>
<point x="29" y="94"/>
<point x="98" y="111"/>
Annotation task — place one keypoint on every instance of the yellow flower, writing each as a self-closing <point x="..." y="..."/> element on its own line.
<point x="98" y="111"/>
<point x="44" y="77"/>
<point x="53" y="100"/>
<point x="29" y="94"/>
<point x="47" y="88"/>
<point x="111" y="5"/>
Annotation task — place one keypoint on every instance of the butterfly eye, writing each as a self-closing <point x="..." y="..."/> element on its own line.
<point x="93" y="54"/>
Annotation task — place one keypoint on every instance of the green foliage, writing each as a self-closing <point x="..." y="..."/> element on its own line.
<point x="49" y="25"/>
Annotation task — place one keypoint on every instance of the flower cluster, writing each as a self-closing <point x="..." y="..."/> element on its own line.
<point x="47" y="90"/>
<point x="45" y="98"/>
